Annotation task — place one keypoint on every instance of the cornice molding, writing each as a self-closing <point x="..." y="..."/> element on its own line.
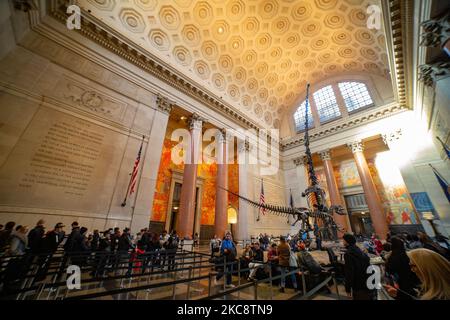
<point x="98" y="32"/>
<point x="382" y="113"/>
<point x="399" y="34"/>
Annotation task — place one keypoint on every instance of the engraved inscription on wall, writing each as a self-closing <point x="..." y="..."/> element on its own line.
<point x="62" y="162"/>
<point x="65" y="158"/>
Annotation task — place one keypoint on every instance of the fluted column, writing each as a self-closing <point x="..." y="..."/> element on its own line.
<point x="220" y="216"/>
<point x="335" y="196"/>
<point x="370" y="192"/>
<point x="187" y="198"/>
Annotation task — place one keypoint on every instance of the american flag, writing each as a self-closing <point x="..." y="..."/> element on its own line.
<point x="135" y="171"/>
<point x="261" y="199"/>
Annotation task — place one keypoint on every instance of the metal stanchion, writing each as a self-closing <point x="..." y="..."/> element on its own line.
<point x="209" y="284"/>
<point x="256" y="290"/>
<point x="189" y="283"/>
<point x="270" y="279"/>
<point x="336" y="285"/>
<point x="239" y="279"/>
<point x="174" y="286"/>
<point x="303" y="281"/>
<point x="224" y="271"/>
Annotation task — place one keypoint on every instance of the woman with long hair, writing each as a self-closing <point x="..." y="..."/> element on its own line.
<point x="433" y="270"/>
<point x="399" y="270"/>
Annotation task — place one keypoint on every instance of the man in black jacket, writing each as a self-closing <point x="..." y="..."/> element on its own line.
<point x="356" y="264"/>
<point x="257" y="261"/>
<point x="50" y="243"/>
<point x="35" y="237"/>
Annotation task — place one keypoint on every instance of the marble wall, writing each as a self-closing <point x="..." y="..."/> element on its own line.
<point x="70" y="131"/>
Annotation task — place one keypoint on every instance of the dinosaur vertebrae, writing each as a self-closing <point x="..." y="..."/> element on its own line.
<point x="300" y="213"/>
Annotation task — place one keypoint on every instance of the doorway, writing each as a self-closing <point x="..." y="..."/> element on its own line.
<point x="173" y="207"/>
<point x="359" y="214"/>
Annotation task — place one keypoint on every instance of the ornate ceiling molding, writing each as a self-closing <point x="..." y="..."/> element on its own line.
<point x="255" y="55"/>
<point x="99" y="33"/>
<point x="338" y="127"/>
<point x="399" y="24"/>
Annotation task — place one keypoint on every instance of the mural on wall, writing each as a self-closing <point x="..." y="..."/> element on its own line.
<point x="347" y="175"/>
<point x="394" y="196"/>
<point x="162" y="189"/>
<point x="207" y="171"/>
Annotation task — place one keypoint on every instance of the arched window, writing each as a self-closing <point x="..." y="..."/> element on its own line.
<point x="326" y="104"/>
<point x="355" y="95"/>
<point x="299" y="117"/>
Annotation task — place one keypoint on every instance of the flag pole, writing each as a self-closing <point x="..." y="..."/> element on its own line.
<point x="124" y="203"/>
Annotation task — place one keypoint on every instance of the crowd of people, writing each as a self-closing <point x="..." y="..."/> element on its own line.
<point x="414" y="266"/>
<point x="101" y="251"/>
<point x="284" y="255"/>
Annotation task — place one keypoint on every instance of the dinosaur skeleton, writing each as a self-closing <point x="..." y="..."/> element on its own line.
<point x="314" y="194"/>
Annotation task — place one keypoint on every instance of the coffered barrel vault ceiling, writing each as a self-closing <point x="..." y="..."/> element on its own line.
<point x="255" y="54"/>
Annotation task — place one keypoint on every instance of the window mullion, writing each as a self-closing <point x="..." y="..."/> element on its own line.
<point x="340" y="101"/>
<point x="315" y="114"/>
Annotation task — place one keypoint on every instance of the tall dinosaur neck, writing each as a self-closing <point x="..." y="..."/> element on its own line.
<point x="311" y="173"/>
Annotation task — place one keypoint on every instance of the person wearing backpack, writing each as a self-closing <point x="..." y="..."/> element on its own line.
<point x="355" y="269"/>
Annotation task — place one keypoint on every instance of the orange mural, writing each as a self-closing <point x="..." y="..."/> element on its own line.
<point x="395" y="198"/>
<point x="162" y="189"/>
<point x="347" y="175"/>
<point x="207" y="171"/>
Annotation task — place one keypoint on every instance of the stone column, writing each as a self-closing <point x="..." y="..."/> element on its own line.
<point x="335" y="196"/>
<point x="221" y="205"/>
<point x="150" y="165"/>
<point x="244" y="210"/>
<point x="187" y="198"/>
<point x="370" y="192"/>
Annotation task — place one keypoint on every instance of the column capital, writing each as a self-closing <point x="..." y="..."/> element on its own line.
<point x="196" y="121"/>
<point x="164" y="104"/>
<point x="356" y="146"/>
<point x="243" y="146"/>
<point x="391" y="137"/>
<point x="299" y="161"/>
<point x="435" y="32"/>
<point x="25" y="5"/>
<point x="325" y="154"/>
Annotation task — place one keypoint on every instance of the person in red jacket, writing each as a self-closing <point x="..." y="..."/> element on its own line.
<point x="135" y="262"/>
<point x="377" y="243"/>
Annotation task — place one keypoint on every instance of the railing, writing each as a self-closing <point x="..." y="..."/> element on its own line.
<point x="188" y="268"/>
<point x="176" y="262"/>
